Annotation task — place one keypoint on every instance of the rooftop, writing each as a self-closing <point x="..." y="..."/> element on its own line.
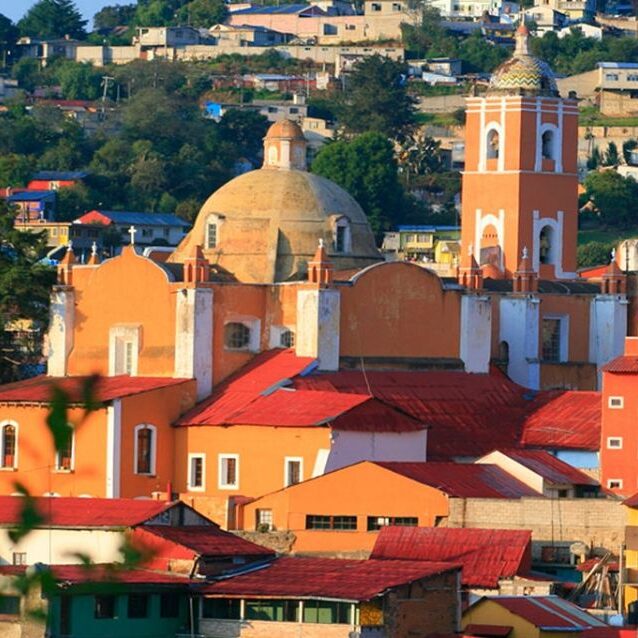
<point x="463" y="480"/>
<point x="353" y="580"/>
<point x="131" y="218"/>
<point x="30" y="196"/>
<point x="622" y="365"/>
<point x="487" y="555"/>
<point x="83" y="512"/>
<point x="40" y="389"/>
<point x="59" y="175"/>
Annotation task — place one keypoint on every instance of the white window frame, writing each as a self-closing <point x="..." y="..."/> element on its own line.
<point x="254" y="327"/>
<point x="614" y="487"/>
<point x="614" y="438"/>
<point x="62" y="470"/>
<point x="4" y="423"/>
<point x="153" y="449"/>
<point x="191" y="458"/>
<point x="276" y="333"/>
<point x="292" y="459"/>
<point x="217" y="221"/>
<point x="220" y="474"/>
<point x="119" y="337"/>
<point x="611" y="400"/>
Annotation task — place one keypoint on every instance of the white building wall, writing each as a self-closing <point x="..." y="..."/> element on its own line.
<point x="476" y="333"/>
<point x="318" y="319"/>
<point x="607" y="329"/>
<point x="352" y="447"/>
<point x="61" y="326"/>
<point x="519" y="327"/>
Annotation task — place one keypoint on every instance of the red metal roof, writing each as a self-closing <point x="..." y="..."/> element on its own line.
<point x="632" y="501"/>
<point x="39" y="389"/>
<point x="463" y="480"/>
<point x="205" y="540"/>
<point x="487" y="631"/>
<point x="472" y="414"/>
<point x="340" y="579"/>
<point x="622" y="365"/>
<point x="487" y="555"/>
<point x="93" y="217"/>
<point x="549" y="467"/>
<point x="84" y="512"/>
<point x="548" y="612"/>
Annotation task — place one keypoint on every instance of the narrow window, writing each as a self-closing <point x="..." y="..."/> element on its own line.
<point x="340" y="246"/>
<point x="64" y="455"/>
<point x="341" y="237"/>
<point x="547" y="145"/>
<point x="145" y="449"/>
<point x="9" y="446"/>
<point x="236" y="336"/>
<point x="493" y="144"/>
<point x="293" y="471"/>
<point x="65" y="615"/>
<point x="137" y="606"/>
<point x="19" y="558"/>
<point x="545" y="243"/>
<point x="551" y="342"/>
<point x="228" y="471"/>
<point x="196" y="472"/>
<point x="128" y="357"/>
<point x="211" y="234"/>
<point x="104" y="607"/>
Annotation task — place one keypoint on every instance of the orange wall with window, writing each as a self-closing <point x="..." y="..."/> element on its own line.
<point x="360" y="490"/>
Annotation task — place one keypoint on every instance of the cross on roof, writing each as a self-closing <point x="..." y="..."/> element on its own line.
<point x="131" y="231"/>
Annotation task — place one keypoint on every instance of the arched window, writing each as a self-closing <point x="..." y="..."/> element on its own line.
<point x="547" y="145"/>
<point x="64" y="455"/>
<point x="287" y="338"/>
<point x="493" y="144"/>
<point x="504" y="352"/>
<point x="546" y="245"/>
<point x="145" y="446"/>
<point x="9" y="444"/>
<point x="236" y="335"/>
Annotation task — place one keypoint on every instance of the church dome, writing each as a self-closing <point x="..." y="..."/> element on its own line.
<point x="524" y="73"/>
<point x="263" y="226"/>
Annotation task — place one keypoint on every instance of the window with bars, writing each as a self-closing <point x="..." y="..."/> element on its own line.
<point x="144" y="449"/>
<point x="236" y="335"/>
<point x="551" y="341"/>
<point x="228" y="471"/>
<point x="196" y="472"/>
<point x="211" y="234"/>
<point x="9" y="442"/>
<point x="264" y="520"/>
<point x="104" y="607"/>
<point x="375" y="523"/>
<point x="64" y="455"/>
<point x="137" y="606"/>
<point x="287" y="339"/>
<point x="339" y="523"/>
<point x="294" y="471"/>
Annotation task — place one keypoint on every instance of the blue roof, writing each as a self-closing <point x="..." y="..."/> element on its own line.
<point x="60" y="175"/>
<point x="618" y="65"/>
<point x="427" y="229"/>
<point x="144" y="219"/>
<point x="285" y="8"/>
<point x="31" y="196"/>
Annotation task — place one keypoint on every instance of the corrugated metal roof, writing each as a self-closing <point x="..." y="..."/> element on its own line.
<point x="31" y="196"/>
<point x="84" y="512"/>
<point x="204" y="540"/>
<point x="39" y="389"/>
<point x="59" y="175"/>
<point x="276" y="9"/>
<point x="622" y="365"/>
<point x="548" y="612"/>
<point x="133" y="218"/>
<point x="294" y="577"/>
<point x="487" y="555"/>
<point x="463" y="480"/>
<point x="549" y="467"/>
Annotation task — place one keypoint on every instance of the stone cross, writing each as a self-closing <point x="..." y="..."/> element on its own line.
<point x="131" y="231"/>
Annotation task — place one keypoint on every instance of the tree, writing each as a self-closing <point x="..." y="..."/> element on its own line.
<point x="48" y="19"/>
<point x="244" y="129"/>
<point x="419" y="155"/>
<point x="614" y="197"/>
<point x="367" y="169"/>
<point x="8" y="37"/>
<point x="24" y="295"/>
<point x="612" y="158"/>
<point x="377" y="98"/>
<point x="203" y="13"/>
<point x="15" y="169"/>
<point x="78" y="81"/>
<point x="594" y="253"/>
<point x="114" y="16"/>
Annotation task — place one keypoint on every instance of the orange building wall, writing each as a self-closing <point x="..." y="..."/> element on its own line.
<point x="36" y="453"/>
<point x="620" y="463"/>
<point x="577" y="308"/>
<point x="159" y="408"/>
<point x="399" y="310"/>
<point x="361" y="490"/>
<point x="128" y="289"/>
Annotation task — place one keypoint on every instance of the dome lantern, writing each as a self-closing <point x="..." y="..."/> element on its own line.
<point x="285" y="146"/>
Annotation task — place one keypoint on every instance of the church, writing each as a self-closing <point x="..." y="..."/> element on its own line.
<point x="248" y="358"/>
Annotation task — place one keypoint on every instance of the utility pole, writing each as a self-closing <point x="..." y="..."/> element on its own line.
<point x="105" y="84"/>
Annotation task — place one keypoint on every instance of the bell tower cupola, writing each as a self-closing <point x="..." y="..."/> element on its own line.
<point x="520" y="181"/>
<point x="285" y="146"/>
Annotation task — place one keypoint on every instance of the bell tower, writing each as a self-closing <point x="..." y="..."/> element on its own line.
<point x="520" y="185"/>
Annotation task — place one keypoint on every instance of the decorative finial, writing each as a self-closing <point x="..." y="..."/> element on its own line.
<point x="131" y="231"/>
<point x="613" y="254"/>
<point x="69" y="246"/>
<point x="525" y="254"/>
<point x="94" y="249"/>
<point x="320" y="242"/>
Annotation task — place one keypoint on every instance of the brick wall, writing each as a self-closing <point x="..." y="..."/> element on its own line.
<point x="599" y="523"/>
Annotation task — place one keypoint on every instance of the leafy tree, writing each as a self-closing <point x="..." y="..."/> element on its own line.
<point x="24" y="295"/>
<point x="28" y="73"/>
<point x="15" y="169"/>
<point x="594" y="253"/>
<point x="367" y="169"/>
<point x="48" y="19"/>
<point x="614" y="197"/>
<point x="245" y="129"/>
<point x="480" y="55"/>
<point x="612" y="157"/>
<point x="156" y="13"/>
<point x="114" y="16"/>
<point x="73" y="202"/>
<point x="419" y="155"/>
<point x="377" y="98"/>
<point x="8" y="36"/>
<point x="203" y="13"/>
<point x="595" y="159"/>
<point x="78" y="81"/>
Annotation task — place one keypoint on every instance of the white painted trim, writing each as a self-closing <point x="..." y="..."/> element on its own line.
<point x="482" y="139"/>
<point x="293" y="459"/>
<point x="557" y="227"/>
<point x="621" y="401"/>
<point x="254" y="327"/>
<point x="190" y="486"/>
<point x="17" y="439"/>
<point x="492" y="125"/>
<point x="113" y="448"/>
<point x="487" y="220"/>
<point x="614" y="438"/>
<point x="153" y="467"/>
<point x="556" y="147"/>
<point x="220" y="484"/>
